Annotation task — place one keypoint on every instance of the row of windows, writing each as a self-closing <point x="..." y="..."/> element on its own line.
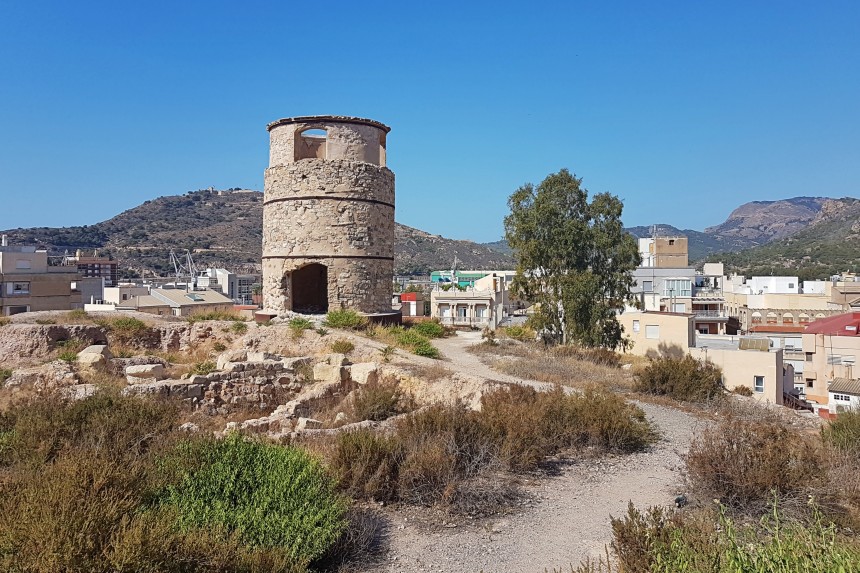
<point x="842" y="397"/>
<point x="15" y="288"/>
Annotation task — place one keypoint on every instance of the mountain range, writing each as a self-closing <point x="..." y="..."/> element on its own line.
<point x="808" y="235"/>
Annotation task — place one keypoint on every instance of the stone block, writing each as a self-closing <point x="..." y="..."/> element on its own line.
<point x="261" y="356"/>
<point x="364" y="373"/>
<point x="296" y="362"/>
<point x="230" y="356"/>
<point x="308" y="424"/>
<point x="80" y="391"/>
<point x="145" y="371"/>
<point x="90" y="360"/>
<point x="291" y="409"/>
<point x="138" y="380"/>
<point x="100" y="349"/>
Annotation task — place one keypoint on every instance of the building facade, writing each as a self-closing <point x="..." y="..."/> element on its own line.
<point x="28" y="284"/>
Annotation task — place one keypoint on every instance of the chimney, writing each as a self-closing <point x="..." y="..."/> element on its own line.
<point x="3" y="242"/>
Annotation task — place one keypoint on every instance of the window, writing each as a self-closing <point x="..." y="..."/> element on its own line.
<point x="671" y="241"/>
<point x="635" y="326"/>
<point x="758" y="383"/>
<point x="834" y="359"/>
<point x="480" y="311"/>
<point x="679" y="307"/>
<point x="842" y="397"/>
<point x="809" y="382"/>
<point x="790" y="285"/>
<point x="677" y="287"/>
<point x="22" y="264"/>
<point x="10" y="310"/>
<point x="809" y="356"/>
<point x="648" y="286"/>
<point x="652" y="331"/>
<point x="18" y="288"/>
<point x="445" y="310"/>
<point x="461" y="312"/>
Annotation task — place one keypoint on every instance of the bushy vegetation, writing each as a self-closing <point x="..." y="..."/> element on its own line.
<point x="433" y="455"/>
<point x="124" y="329"/>
<point x="215" y="315"/>
<point x="415" y="342"/>
<point x="269" y="496"/>
<point x="204" y="367"/>
<point x="239" y="328"/>
<point x="744" y="462"/>
<point x="843" y="434"/>
<point x="517" y="332"/>
<point x="299" y="325"/>
<point x="77" y="314"/>
<point x="345" y="318"/>
<point x="685" y="379"/>
<point x="710" y="541"/>
<point x="429" y="329"/>
<point x="106" y="484"/>
<point x="5" y="374"/>
<point x="4" y="320"/>
<point x="379" y="401"/>
<point x="342" y="346"/>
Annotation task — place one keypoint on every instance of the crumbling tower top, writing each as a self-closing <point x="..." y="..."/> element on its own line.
<point x="330" y="137"/>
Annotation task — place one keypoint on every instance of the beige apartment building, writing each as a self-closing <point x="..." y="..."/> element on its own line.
<point x="831" y="347"/>
<point x="29" y="284"/>
<point x="744" y="363"/>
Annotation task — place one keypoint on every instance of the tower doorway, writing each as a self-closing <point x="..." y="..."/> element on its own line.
<point x="309" y="289"/>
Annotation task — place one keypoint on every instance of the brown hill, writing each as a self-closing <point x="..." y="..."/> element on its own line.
<point x="224" y="228"/>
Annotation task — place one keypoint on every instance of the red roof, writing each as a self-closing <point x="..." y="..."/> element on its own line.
<point x="847" y="324"/>
<point x="778" y="328"/>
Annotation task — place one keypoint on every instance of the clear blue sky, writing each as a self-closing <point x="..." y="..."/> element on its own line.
<point x="683" y="109"/>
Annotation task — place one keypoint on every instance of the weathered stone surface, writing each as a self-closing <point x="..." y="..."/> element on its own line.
<point x="90" y="360"/>
<point x="331" y="369"/>
<point x="308" y="424"/>
<point x="145" y="371"/>
<point x="261" y="356"/>
<point x="230" y="356"/>
<point x="189" y="427"/>
<point x="80" y="391"/>
<point x="291" y="409"/>
<point x="100" y="349"/>
<point x="35" y="341"/>
<point x="44" y="377"/>
<point x="293" y="363"/>
<point x="340" y="214"/>
<point x="364" y="373"/>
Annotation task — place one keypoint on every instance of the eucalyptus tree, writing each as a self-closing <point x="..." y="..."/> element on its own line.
<point x="574" y="260"/>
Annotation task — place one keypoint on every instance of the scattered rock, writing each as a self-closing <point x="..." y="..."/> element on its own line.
<point x="145" y="371"/>
<point x="364" y="373"/>
<point x="190" y="427"/>
<point x="308" y="424"/>
<point x="331" y="369"/>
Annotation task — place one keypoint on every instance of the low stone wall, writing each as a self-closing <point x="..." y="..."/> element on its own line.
<point x="26" y="342"/>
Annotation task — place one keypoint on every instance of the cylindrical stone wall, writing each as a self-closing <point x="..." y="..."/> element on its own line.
<point x="328" y="217"/>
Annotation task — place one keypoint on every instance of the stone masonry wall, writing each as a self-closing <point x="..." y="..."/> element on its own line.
<point x="337" y="211"/>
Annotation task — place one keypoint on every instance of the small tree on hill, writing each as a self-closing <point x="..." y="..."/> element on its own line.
<point x="573" y="260"/>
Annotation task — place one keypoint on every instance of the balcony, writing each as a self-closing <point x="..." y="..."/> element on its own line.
<point x="715" y="314"/>
<point x="477" y="322"/>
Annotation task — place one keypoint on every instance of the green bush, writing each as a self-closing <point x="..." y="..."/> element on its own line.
<point x="843" y="433"/>
<point x="5" y="374"/>
<point x="215" y="315"/>
<point x="709" y="541"/>
<point x="204" y="368"/>
<point x="521" y="333"/>
<point x="4" y="320"/>
<point x="342" y="346"/>
<point x="219" y="347"/>
<point x="429" y="329"/>
<point x="239" y="328"/>
<point x="124" y="329"/>
<point x="68" y="356"/>
<point x="45" y="321"/>
<point x="685" y="379"/>
<point x="299" y="325"/>
<point x="77" y="314"/>
<point x="345" y="318"/>
<point x="414" y="341"/>
<point x="268" y="495"/>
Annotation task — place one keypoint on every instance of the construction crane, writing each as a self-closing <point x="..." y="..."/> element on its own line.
<point x="184" y="269"/>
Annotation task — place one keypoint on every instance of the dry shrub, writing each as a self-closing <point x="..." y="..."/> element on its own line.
<point x="744" y="462"/>
<point x="379" y="401"/>
<point x="742" y="391"/>
<point x="685" y="379"/>
<point x="566" y="371"/>
<point x="342" y="346"/>
<point x="446" y="453"/>
<point x="599" y="356"/>
<point x="843" y="433"/>
<point x="431" y="373"/>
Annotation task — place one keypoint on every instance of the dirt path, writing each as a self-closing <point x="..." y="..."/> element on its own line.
<point x="571" y="519"/>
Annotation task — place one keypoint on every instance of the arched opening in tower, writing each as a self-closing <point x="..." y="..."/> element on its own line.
<point x="310" y="289"/>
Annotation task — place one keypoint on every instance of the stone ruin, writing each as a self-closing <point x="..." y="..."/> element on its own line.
<point x="328" y="218"/>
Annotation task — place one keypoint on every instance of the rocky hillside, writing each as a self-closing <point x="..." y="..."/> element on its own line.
<point x="829" y="244"/>
<point x="225" y="228"/>
<point x="765" y="221"/>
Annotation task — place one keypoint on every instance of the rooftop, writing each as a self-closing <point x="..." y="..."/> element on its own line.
<point x="845" y="386"/>
<point x="847" y="324"/>
<point x="328" y="119"/>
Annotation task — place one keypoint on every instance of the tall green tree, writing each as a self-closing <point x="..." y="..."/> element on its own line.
<point x="573" y="259"/>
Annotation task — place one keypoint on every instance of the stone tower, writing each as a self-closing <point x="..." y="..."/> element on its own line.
<point x="328" y="217"/>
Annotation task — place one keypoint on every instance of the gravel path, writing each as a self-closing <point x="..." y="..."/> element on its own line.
<point x="570" y="520"/>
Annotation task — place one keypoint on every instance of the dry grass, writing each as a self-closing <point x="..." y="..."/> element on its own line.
<point x="566" y="367"/>
<point x="431" y="373"/>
